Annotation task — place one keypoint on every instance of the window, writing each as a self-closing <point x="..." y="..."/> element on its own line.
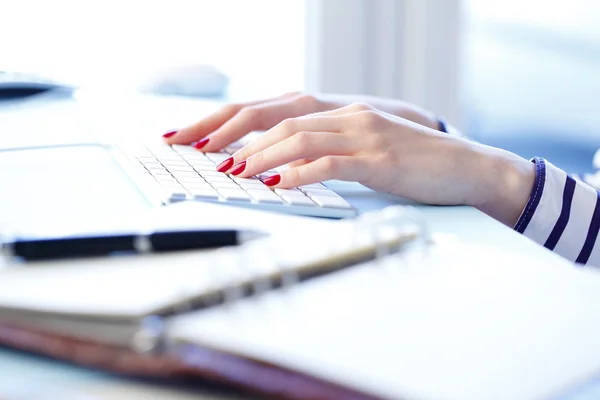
<point x="532" y="77"/>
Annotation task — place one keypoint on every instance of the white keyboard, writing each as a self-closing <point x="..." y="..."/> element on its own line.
<point x="183" y="173"/>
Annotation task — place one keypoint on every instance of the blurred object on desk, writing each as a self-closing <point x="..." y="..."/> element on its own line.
<point x="193" y="80"/>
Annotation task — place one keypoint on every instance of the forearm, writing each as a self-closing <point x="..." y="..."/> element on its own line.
<point x="504" y="182"/>
<point x="563" y="215"/>
<point x="538" y="200"/>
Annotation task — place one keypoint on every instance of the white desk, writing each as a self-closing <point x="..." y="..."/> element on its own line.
<point x="29" y="376"/>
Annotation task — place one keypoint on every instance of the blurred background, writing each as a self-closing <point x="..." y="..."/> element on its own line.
<point x="523" y="75"/>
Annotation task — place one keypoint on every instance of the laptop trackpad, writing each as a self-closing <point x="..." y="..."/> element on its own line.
<point x="48" y="188"/>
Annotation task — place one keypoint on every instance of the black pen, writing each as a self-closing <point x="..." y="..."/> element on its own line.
<point x="100" y="245"/>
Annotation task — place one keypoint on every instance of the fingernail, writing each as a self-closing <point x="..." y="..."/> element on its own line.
<point x="201" y="143"/>
<point x="272" y="180"/>
<point x="238" y="168"/>
<point x="169" y="134"/>
<point x="225" y="165"/>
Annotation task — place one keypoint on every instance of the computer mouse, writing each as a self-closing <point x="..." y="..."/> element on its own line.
<point x="198" y="80"/>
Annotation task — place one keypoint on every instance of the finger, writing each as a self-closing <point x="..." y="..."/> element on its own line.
<point x="205" y="126"/>
<point x="349" y="109"/>
<point x="297" y="163"/>
<point x="345" y="168"/>
<point x="255" y="118"/>
<point x="214" y="121"/>
<point x="301" y="145"/>
<point x="285" y="129"/>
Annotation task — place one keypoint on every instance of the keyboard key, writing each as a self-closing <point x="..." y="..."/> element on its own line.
<point x="208" y="170"/>
<point x="264" y="196"/>
<point x="165" y="154"/>
<point x="165" y="178"/>
<point x="215" y="174"/>
<point x="204" y="193"/>
<point x="201" y="188"/>
<point x="169" y="157"/>
<point x="153" y="165"/>
<point x="247" y="180"/>
<point x="314" y="186"/>
<point x="182" y="148"/>
<point x="294" y="191"/>
<point x="184" y="174"/>
<point x="172" y="191"/>
<point x="179" y="168"/>
<point x="234" y="194"/>
<point x="171" y="184"/>
<point x="146" y="159"/>
<point x="254" y="184"/>
<point x="212" y="172"/>
<point x="205" y="165"/>
<point x="225" y="185"/>
<point x="298" y="200"/>
<point x="217" y="157"/>
<point x="215" y="179"/>
<point x="199" y="159"/>
<point x="175" y="163"/>
<point x="248" y="185"/>
<point x="320" y="192"/>
<point x="333" y="202"/>
<point x="159" y="171"/>
<point x="187" y="182"/>
<point x="194" y="158"/>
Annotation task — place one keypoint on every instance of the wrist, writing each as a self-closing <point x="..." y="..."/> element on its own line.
<point x="503" y="183"/>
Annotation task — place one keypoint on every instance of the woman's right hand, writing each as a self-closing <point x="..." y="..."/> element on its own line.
<point x="234" y="121"/>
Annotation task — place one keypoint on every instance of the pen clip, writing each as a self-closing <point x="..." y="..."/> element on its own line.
<point x="142" y="243"/>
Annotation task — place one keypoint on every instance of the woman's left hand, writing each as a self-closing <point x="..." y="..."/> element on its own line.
<point x="381" y="151"/>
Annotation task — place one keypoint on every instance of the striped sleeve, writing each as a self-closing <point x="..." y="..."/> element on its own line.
<point x="563" y="215"/>
<point x="445" y="127"/>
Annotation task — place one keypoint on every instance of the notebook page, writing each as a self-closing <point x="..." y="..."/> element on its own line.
<point x="135" y="286"/>
<point x="463" y="323"/>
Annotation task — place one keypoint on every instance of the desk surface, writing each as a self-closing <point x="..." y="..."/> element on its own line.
<point x="59" y="380"/>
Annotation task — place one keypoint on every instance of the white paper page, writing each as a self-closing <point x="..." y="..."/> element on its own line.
<point x="133" y="285"/>
<point x="463" y="323"/>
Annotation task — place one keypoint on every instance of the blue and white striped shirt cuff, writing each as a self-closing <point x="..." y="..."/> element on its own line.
<point x="562" y="214"/>
<point x="445" y="127"/>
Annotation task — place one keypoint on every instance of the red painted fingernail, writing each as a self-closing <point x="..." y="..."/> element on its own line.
<point x="272" y="180"/>
<point x="169" y="134"/>
<point x="201" y="143"/>
<point x="238" y="168"/>
<point x="225" y="165"/>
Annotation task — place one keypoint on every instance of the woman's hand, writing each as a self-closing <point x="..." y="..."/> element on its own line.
<point x="388" y="154"/>
<point x="233" y="121"/>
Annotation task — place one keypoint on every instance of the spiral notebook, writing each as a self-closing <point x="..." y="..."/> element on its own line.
<point x="372" y="308"/>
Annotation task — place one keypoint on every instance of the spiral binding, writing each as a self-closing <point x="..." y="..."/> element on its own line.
<point x="380" y="234"/>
